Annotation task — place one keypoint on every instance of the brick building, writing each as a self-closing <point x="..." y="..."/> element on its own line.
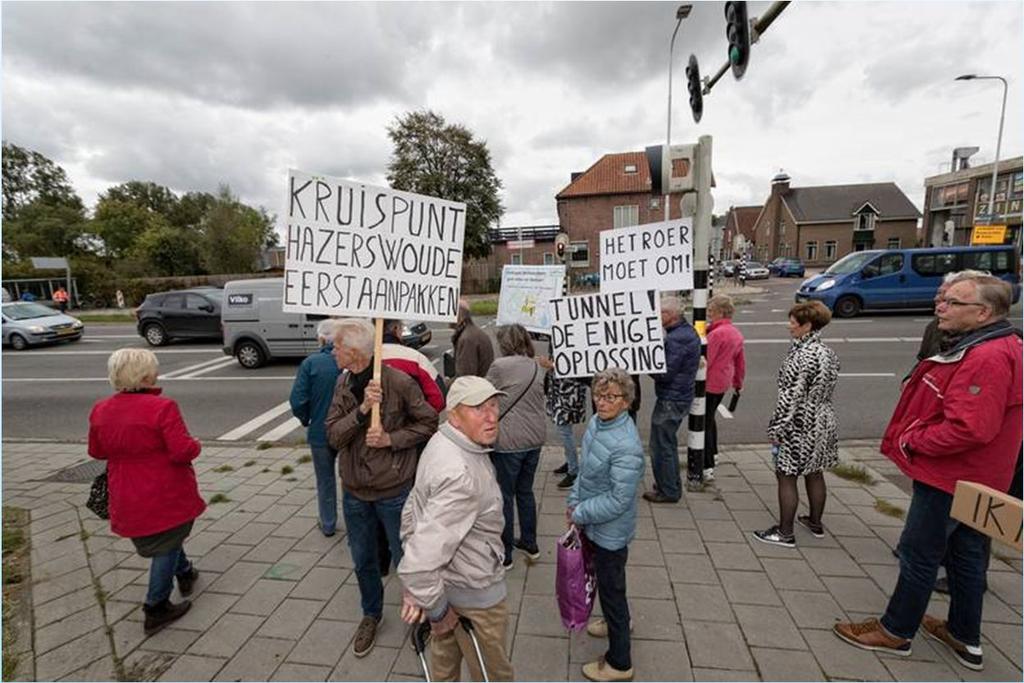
<point x="955" y="202"/>
<point x="738" y="230"/>
<point x="822" y="224"/>
<point x="613" y="193"/>
<point x="532" y="245"/>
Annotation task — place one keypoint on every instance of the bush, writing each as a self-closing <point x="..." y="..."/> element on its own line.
<point x="484" y="307"/>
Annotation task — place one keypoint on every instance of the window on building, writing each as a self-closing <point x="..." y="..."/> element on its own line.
<point x="579" y="254"/>
<point x="654" y="203"/>
<point x="830" y="250"/>
<point x="516" y="259"/>
<point x="624" y="216"/>
<point x="893" y="243"/>
<point x="549" y="258"/>
<point x="865" y="221"/>
<point x="811" y="250"/>
<point x="630" y="168"/>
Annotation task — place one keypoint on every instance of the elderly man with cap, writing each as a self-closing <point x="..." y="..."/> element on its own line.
<point x="451" y="535"/>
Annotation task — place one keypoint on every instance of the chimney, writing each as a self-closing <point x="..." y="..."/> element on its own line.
<point x="780" y="183"/>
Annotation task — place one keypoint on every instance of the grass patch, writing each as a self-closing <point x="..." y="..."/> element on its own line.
<point x="287" y="469"/>
<point x="890" y="510"/>
<point x="105" y="317"/>
<point x="264" y="445"/>
<point x="219" y="498"/>
<point x="248" y="463"/>
<point x="264" y="470"/>
<point x="224" y="468"/>
<point x="850" y="472"/>
<point x="291" y="479"/>
<point x="16" y="599"/>
<point x="305" y="458"/>
<point x="484" y="307"/>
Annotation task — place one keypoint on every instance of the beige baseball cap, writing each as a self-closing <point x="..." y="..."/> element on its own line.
<point x="470" y="390"/>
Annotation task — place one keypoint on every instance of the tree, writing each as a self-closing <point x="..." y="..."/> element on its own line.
<point x="168" y="250"/>
<point x="144" y="194"/>
<point x="29" y="176"/>
<point x="45" y="229"/>
<point x="234" y="235"/>
<point x="443" y="160"/>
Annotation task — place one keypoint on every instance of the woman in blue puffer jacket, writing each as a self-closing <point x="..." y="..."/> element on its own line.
<point x="603" y="504"/>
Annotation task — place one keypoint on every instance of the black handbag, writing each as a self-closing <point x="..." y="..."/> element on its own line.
<point x="98" y="497"/>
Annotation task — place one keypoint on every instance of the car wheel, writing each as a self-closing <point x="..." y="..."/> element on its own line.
<point x="847" y="307"/>
<point x="18" y="343"/>
<point x="154" y="334"/>
<point x="250" y="355"/>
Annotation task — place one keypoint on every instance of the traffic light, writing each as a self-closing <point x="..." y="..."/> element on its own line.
<point x="672" y="169"/>
<point x="694" y="86"/>
<point x="737" y="30"/>
<point x="560" y="249"/>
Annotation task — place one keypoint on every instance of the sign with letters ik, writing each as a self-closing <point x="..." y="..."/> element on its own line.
<point x="526" y="293"/>
<point x="991" y="512"/>
<point x="359" y="250"/>
<point x="593" y="332"/>
<point x="651" y="256"/>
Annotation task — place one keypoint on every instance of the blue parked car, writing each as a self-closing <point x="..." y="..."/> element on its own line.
<point x="787" y="267"/>
<point x="903" y="278"/>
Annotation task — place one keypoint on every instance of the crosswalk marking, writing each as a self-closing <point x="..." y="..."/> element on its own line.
<point x="184" y="371"/>
<point x="211" y="368"/>
<point x="257" y="422"/>
<point x="282" y="430"/>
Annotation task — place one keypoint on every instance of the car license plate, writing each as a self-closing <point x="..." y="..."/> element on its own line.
<point x="64" y="333"/>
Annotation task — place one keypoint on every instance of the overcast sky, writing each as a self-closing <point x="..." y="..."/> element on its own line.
<point x="192" y="95"/>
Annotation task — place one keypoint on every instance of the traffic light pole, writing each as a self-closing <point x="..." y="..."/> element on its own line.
<point x="701" y="242"/>
<point x="758" y="29"/>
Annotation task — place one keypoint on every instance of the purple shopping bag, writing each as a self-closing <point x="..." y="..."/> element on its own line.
<point x="575" y="583"/>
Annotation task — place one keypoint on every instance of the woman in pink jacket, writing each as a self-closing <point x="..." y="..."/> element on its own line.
<point x="154" y="497"/>
<point x="726" y="367"/>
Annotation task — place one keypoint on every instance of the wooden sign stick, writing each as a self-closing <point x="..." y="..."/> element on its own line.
<point x="378" y="340"/>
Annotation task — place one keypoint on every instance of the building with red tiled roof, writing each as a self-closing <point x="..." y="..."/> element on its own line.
<point x="740" y="221"/>
<point x="614" y="192"/>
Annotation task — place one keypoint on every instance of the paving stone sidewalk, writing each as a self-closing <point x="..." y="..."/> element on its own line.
<point x="277" y="601"/>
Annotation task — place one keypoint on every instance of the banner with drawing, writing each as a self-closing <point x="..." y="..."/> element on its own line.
<point x="525" y="294"/>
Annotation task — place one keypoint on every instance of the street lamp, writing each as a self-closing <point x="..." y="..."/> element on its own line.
<point x="999" y="140"/>
<point x="682" y="12"/>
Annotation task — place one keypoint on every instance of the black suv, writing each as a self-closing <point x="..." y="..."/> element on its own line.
<point x="184" y="314"/>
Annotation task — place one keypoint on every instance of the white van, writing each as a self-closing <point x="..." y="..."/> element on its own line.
<point x="255" y="327"/>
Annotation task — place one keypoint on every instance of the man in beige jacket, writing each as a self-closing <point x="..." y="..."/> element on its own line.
<point x="451" y="537"/>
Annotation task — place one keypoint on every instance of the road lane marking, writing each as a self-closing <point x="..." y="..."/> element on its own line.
<point x="786" y="322"/>
<point x="281" y="431"/>
<point x="211" y="368"/>
<point x="277" y="378"/>
<point x="32" y="354"/>
<point x="91" y="336"/>
<point x="867" y="374"/>
<point x="184" y="371"/>
<point x="255" y="423"/>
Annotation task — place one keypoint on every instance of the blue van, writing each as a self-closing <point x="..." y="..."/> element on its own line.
<point x="903" y="278"/>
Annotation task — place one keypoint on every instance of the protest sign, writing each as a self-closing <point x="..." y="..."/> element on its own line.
<point x="592" y="332"/>
<point x="359" y="250"/>
<point x="525" y="295"/>
<point x="651" y="256"/>
<point x="993" y="513"/>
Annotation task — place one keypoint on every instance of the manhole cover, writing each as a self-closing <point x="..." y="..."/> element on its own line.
<point x="79" y="474"/>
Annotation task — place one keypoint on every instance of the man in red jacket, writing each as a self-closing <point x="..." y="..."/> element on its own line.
<point x="958" y="418"/>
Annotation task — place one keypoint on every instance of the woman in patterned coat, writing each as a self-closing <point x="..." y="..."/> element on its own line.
<point x="803" y="428"/>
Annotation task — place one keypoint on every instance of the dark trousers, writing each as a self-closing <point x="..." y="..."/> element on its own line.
<point x="515" y="471"/>
<point x="930" y="535"/>
<point x="711" y="429"/>
<point x="610" y="568"/>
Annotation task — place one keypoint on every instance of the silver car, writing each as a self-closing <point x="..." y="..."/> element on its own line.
<point x="26" y="324"/>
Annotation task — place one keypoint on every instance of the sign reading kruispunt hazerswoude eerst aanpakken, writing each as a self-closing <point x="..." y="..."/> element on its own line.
<point x="360" y="250"/>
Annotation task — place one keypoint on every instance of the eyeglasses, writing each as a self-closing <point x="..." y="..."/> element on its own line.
<point x="607" y="398"/>
<point x="956" y="302"/>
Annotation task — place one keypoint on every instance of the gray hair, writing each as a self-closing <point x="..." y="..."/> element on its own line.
<point x="514" y="340"/>
<point x="356" y="334"/>
<point x="326" y="329"/>
<point x="958" y="275"/>
<point x="618" y="377"/>
<point x="132" y="369"/>
<point x="672" y="304"/>
<point x="993" y="292"/>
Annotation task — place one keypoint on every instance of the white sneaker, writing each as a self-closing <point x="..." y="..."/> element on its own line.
<point x="709" y="474"/>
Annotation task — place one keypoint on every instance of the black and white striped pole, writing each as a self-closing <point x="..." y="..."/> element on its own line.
<point x="701" y="241"/>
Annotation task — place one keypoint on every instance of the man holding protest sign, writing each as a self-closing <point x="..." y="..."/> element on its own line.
<point x="377" y="463"/>
<point x="673" y="391"/>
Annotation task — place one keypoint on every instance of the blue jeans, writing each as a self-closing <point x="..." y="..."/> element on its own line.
<point x="929" y="535"/>
<point x="361" y="517"/>
<point x="515" y="471"/>
<point x="324" y="458"/>
<point x="162" y="570"/>
<point x="665" y="421"/>
<point x="569" y="441"/>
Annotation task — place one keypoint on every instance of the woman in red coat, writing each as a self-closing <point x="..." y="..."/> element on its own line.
<point x="153" y="494"/>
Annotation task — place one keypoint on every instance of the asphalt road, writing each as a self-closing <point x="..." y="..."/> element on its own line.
<point x="48" y="391"/>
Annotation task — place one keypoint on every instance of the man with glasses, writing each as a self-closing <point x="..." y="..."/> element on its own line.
<point x="958" y="418"/>
<point x="673" y="391"/>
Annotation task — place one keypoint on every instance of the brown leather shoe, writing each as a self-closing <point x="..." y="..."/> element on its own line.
<point x="870" y="635"/>
<point x="366" y="636"/>
<point x="601" y="670"/>
<point x="968" y="655"/>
